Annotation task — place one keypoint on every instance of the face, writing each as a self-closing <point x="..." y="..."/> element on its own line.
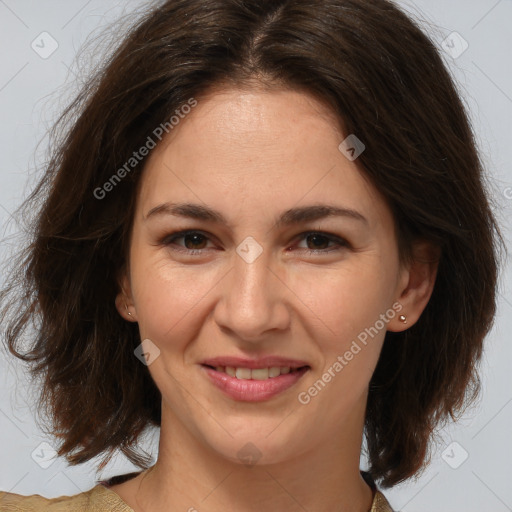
<point x="265" y="281"/>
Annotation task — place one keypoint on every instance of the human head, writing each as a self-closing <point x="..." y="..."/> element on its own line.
<point x="397" y="98"/>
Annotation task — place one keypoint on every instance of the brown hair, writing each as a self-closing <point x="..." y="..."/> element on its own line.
<point x="385" y="81"/>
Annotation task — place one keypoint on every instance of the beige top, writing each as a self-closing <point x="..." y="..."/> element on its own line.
<point x="102" y="499"/>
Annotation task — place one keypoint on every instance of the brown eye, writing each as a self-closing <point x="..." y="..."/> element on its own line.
<point x="321" y="243"/>
<point x="317" y="241"/>
<point x="194" y="240"/>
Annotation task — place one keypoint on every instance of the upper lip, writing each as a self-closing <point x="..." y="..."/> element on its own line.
<point x="263" y="362"/>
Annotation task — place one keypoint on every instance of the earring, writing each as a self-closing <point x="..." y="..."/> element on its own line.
<point x="126" y="307"/>
<point x="403" y="319"/>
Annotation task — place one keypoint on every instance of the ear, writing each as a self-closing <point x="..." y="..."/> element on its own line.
<point x="416" y="284"/>
<point x="124" y="300"/>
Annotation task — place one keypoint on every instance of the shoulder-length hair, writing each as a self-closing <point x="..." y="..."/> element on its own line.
<point x="386" y="82"/>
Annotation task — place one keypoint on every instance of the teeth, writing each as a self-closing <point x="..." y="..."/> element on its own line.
<point x="243" y="373"/>
<point x="256" y="373"/>
<point x="260" y="374"/>
<point x="275" y="371"/>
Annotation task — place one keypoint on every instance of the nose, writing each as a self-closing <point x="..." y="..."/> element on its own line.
<point x="253" y="300"/>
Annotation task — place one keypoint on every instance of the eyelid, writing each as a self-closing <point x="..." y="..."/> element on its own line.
<point x="340" y="242"/>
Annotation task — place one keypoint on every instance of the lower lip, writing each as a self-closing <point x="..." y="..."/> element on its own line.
<point x="250" y="390"/>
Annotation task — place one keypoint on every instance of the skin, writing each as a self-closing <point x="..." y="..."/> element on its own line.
<point x="252" y="154"/>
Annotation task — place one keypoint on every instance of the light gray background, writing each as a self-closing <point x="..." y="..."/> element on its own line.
<point x="33" y="90"/>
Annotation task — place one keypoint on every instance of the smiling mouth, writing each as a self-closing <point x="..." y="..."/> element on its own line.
<point x="256" y="373"/>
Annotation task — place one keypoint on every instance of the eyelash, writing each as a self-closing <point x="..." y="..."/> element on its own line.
<point x="172" y="237"/>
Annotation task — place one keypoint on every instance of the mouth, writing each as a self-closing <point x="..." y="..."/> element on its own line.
<point x="253" y="384"/>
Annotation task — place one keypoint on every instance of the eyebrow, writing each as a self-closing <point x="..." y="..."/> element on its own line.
<point x="288" y="217"/>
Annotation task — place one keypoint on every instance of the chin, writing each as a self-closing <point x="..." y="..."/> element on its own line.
<point x="257" y="447"/>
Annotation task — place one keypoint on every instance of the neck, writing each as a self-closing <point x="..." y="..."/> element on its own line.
<point x="190" y="476"/>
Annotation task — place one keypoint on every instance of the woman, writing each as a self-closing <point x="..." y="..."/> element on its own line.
<point x="266" y="232"/>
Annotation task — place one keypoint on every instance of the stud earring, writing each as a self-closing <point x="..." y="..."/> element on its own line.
<point x="126" y="307"/>
<point x="402" y="319"/>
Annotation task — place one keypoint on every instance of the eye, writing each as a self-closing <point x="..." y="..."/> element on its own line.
<point x="317" y="242"/>
<point x="194" y="241"/>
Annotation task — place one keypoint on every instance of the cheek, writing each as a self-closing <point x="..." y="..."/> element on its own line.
<point x="349" y="333"/>
<point x="344" y="300"/>
<point x="167" y="295"/>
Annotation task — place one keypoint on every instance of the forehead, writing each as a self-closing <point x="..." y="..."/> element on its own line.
<point x="248" y="151"/>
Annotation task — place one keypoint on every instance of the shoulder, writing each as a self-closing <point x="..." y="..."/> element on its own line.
<point x="380" y="503"/>
<point x="98" y="499"/>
